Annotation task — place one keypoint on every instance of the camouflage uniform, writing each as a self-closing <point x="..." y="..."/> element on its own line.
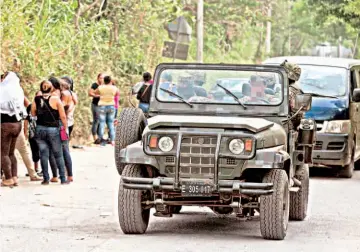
<point x="294" y="72"/>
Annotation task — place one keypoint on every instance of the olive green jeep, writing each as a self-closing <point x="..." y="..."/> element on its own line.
<point x="230" y="149"/>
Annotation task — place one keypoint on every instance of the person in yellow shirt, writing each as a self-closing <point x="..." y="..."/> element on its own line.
<point x="107" y="93"/>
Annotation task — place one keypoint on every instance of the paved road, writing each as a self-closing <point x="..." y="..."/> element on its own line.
<point x="83" y="217"/>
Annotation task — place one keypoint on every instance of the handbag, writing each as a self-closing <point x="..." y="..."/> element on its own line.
<point x="63" y="135"/>
<point x="32" y="128"/>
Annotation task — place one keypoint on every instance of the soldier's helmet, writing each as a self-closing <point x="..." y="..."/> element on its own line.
<point x="293" y="70"/>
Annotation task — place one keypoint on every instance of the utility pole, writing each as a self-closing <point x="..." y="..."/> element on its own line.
<point x="289" y="24"/>
<point x="268" y="29"/>
<point x="200" y="30"/>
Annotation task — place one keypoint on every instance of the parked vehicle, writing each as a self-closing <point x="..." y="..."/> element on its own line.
<point x="238" y="156"/>
<point x="336" y="84"/>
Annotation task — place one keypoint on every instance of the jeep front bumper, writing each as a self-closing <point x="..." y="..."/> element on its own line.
<point x="223" y="186"/>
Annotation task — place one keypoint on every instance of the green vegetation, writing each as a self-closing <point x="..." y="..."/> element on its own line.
<point x="81" y="38"/>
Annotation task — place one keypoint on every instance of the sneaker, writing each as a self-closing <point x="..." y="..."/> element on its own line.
<point x="45" y="182"/>
<point x="66" y="182"/>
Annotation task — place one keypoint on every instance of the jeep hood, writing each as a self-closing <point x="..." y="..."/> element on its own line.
<point x="253" y="124"/>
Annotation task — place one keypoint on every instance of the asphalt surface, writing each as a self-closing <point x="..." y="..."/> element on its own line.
<point x="83" y="217"/>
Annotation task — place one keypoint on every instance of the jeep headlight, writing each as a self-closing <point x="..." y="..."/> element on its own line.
<point x="166" y="144"/>
<point x="236" y="146"/>
<point x="337" y="127"/>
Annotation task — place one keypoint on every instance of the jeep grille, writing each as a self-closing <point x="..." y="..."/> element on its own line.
<point x="197" y="155"/>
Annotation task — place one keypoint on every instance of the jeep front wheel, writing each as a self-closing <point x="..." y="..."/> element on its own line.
<point x="274" y="209"/>
<point x="299" y="200"/>
<point x="133" y="216"/>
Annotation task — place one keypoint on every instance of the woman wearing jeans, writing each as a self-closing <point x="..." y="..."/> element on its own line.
<point x="95" y="108"/>
<point x="49" y="110"/>
<point x="107" y="93"/>
<point x="144" y="93"/>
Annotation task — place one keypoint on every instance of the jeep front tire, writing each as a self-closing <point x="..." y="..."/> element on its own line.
<point x="128" y="131"/>
<point x="133" y="216"/>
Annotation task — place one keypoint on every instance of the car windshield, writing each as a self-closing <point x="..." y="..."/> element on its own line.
<point x="220" y="86"/>
<point x="323" y="80"/>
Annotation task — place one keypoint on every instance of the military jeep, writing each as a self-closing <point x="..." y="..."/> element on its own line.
<point x="233" y="154"/>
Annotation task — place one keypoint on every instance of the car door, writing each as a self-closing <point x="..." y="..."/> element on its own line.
<point x="355" y="107"/>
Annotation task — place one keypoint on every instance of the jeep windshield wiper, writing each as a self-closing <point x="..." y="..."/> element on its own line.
<point x="232" y="95"/>
<point x="176" y="95"/>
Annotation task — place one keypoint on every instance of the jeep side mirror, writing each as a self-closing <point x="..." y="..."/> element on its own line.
<point x="356" y="95"/>
<point x="303" y="100"/>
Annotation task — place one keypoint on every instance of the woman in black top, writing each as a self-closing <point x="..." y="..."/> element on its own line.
<point x="49" y="110"/>
<point x="144" y="93"/>
<point x="95" y="129"/>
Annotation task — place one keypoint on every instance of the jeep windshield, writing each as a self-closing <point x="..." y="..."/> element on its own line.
<point x="250" y="87"/>
<point x="323" y="80"/>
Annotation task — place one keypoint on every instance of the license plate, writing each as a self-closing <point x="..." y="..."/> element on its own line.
<point x="196" y="188"/>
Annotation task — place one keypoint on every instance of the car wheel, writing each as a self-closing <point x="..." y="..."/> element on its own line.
<point x="130" y="126"/>
<point x="299" y="200"/>
<point x="274" y="209"/>
<point x="357" y="165"/>
<point x="133" y="215"/>
<point x="348" y="170"/>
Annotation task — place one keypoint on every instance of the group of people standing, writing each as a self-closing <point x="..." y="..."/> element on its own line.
<point x="47" y="122"/>
<point x="105" y="104"/>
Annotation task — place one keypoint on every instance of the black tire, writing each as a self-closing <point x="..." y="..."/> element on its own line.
<point x="348" y="170"/>
<point x="128" y="131"/>
<point x="274" y="209"/>
<point x="299" y="200"/>
<point x="176" y="209"/>
<point x="357" y="165"/>
<point x="133" y="218"/>
<point x="223" y="210"/>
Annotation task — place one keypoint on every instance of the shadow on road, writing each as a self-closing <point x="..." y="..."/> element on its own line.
<point x="318" y="172"/>
<point x="326" y="173"/>
<point x="197" y="224"/>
